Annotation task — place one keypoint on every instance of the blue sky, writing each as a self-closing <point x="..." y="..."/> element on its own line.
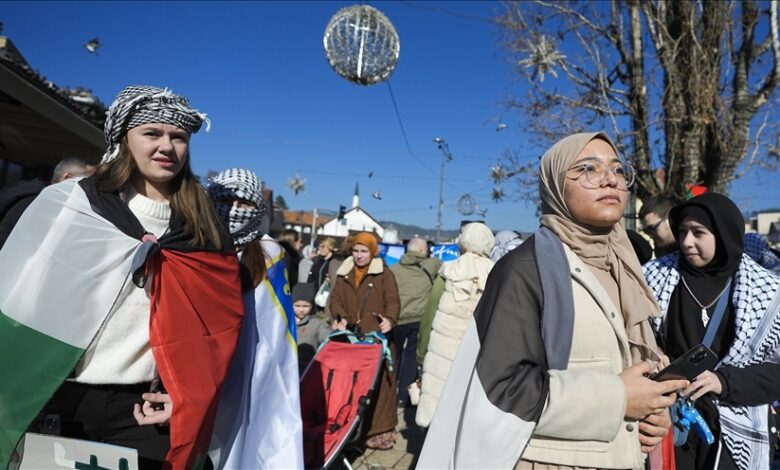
<point x="258" y="69"/>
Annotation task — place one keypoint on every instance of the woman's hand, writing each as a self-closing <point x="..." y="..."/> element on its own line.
<point x="385" y="325"/>
<point x="706" y="382"/>
<point x="338" y="324"/>
<point x="149" y="414"/>
<point x="644" y="396"/>
<point x="652" y="430"/>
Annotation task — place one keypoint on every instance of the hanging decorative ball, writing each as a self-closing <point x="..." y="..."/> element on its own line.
<point x="361" y="44"/>
<point x="467" y="204"/>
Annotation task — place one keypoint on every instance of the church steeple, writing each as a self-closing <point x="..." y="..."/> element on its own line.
<point x="356" y="196"/>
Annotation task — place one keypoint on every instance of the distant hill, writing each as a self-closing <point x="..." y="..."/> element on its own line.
<point x="408" y="231"/>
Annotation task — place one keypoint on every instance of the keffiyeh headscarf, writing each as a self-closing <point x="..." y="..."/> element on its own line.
<point x="758" y="249"/>
<point x="238" y="183"/>
<point x="142" y="104"/>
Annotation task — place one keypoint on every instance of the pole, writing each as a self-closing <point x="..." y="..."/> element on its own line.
<point x="441" y="200"/>
<point x="445" y="157"/>
<point x="313" y="227"/>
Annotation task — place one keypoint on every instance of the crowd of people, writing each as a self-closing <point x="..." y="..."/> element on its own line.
<point x="134" y="300"/>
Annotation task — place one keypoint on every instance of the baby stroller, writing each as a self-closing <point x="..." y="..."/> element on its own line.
<point x="336" y="390"/>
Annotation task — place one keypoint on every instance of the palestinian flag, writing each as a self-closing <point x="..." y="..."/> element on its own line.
<point x="61" y="272"/>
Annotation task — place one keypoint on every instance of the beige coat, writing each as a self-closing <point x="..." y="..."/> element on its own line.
<point x="464" y="282"/>
<point x="588" y="400"/>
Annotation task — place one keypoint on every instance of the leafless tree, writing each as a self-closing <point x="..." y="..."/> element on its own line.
<point x="685" y="87"/>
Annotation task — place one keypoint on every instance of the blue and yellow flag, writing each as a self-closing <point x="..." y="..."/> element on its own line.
<point x="258" y="423"/>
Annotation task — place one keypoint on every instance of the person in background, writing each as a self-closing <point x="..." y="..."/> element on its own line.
<point x="506" y="241"/>
<point x="757" y="248"/>
<point x="311" y="331"/>
<point x="258" y="423"/>
<point x="319" y="270"/>
<point x="464" y="282"/>
<point x="415" y="274"/>
<point x="290" y="240"/>
<point x="307" y="261"/>
<point x="365" y="298"/>
<point x="15" y="198"/>
<point x="736" y="397"/>
<point x="654" y="215"/>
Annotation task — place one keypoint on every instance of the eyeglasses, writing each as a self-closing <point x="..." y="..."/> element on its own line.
<point x="593" y="173"/>
<point x="650" y="229"/>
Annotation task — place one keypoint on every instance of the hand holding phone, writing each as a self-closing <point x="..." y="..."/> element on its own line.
<point x="689" y="365"/>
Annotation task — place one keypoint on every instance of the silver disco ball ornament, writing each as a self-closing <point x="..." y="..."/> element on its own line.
<point x="361" y="44"/>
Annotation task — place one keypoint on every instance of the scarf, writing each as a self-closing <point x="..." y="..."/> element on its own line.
<point x="238" y="184"/>
<point x="685" y="325"/>
<point x="137" y="105"/>
<point x="755" y="298"/>
<point x="609" y="250"/>
<point x="360" y="273"/>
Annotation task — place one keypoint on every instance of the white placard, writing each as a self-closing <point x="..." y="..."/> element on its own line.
<point x="54" y="452"/>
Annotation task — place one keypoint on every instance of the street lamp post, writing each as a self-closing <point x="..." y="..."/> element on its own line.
<point x="446" y="156"/>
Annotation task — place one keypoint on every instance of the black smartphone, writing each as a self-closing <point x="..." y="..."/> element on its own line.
<point x="689" y="365"/>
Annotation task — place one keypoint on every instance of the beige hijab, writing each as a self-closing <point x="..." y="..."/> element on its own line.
<point x="608" y="250"/>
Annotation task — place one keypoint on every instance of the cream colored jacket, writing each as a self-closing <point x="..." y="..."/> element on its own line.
<point x="588" y="399"/>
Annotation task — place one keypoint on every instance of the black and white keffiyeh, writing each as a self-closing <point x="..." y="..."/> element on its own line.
<point x="756" y="301"/>
<point x="142" y="104"/>
<point x="238" y="184"/>
<point x="758" y="249"/>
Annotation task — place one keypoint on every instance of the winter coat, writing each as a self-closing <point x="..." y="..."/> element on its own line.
<point x="415" y="274"/>
<point x="464" y="282"/>
<point x="376" y="294"/>
<point x="514" y="401"/>
<point x="319" y="270"/>
<point x="13" y="201"/>
<point x="583" y="422"/>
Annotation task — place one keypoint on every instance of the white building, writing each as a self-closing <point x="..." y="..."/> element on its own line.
<point x="354" y="220"/>
<point x="762" y="221"/>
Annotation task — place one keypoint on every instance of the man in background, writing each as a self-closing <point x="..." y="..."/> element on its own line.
<point x="414" y="274"/>
<point x="655" y="223"/>
<point x="15" y="198"/>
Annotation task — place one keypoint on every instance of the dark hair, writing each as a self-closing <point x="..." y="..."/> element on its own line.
<point x="289" y="235"/>
<point x="253" y="260"/>
<point x="188" y="197"/>
<point x="659" y="205"/>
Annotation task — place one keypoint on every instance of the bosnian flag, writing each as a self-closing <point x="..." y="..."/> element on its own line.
<point x="258" y="422"/>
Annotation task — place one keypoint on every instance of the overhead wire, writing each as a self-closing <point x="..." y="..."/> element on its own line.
<point x="406" y="138"/>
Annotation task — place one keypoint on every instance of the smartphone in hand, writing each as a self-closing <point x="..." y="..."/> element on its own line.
<point x="689" y="365"/>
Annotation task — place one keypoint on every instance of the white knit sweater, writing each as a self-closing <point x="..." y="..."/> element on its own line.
<point x="120" y="353"/>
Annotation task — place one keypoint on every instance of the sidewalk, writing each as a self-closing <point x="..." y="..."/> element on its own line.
<point x="402" y="456"/>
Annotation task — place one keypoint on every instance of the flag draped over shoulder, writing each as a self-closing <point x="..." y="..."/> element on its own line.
<point x="258" y="424"/>
<point x="61" y="271"/>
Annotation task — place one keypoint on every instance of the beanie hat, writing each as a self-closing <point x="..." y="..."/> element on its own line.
<point x="303" y="291"/>
<point x="367" y="239"/>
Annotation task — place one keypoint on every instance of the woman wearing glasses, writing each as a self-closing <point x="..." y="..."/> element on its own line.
<point x="553" y="370"/>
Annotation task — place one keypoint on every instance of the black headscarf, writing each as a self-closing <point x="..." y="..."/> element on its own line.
<point x="685" y="328"/>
